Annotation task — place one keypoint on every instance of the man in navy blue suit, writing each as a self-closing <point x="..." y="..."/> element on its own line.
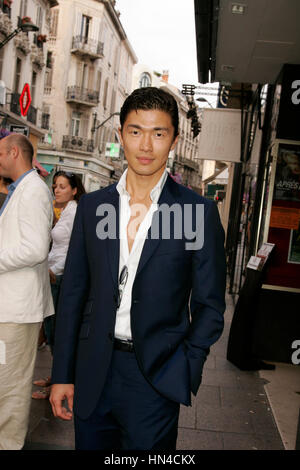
<point x="142" y="297"/>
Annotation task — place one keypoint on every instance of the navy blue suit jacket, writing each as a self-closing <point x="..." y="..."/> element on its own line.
<point x="177" y="301"/>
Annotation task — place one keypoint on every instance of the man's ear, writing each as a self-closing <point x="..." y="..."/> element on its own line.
<point x="120" y="135"/>
<point x="14" y="151"/>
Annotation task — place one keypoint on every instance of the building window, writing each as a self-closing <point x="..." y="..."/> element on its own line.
<point x="45" y="117"/>
<point x="39" y="17"/>
<point x="75" y="123"/>
<point x="145" y="80"/>
<point x="18" y="75"/>
<point x="23" y="8"/>
<point x="1" y="61"/>
<point x="105" y="94"/>
<point x="54" y="24"/>
<point x="49" y="60"/>
<point x="113" y="102"/>
<point x="5" y="6"/>
<point x="98" y="84"/>
<point x="33" y="86"/>
<point x="85" y="26"/>
<point x="48" y="74"/>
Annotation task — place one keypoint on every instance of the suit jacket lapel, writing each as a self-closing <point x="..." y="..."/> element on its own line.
<point x="114" y="243"/>
<point x="15" y="194"/>
<point x="168" y="196"/>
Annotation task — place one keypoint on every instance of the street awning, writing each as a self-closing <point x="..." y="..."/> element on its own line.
<point x="48" y="167"/>
<point x="40" y="167"/>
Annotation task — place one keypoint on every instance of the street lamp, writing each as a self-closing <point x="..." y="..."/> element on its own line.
<point x="94" y="128"/>
<point x="24" y="26"/>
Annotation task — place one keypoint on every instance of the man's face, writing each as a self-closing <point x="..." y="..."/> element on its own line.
<point x="6" y="160"/>
<point x="147" y="138"/>
<point x="293" y="163"/>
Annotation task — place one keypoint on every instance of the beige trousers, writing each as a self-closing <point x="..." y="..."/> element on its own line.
<point x="18" y="348"/>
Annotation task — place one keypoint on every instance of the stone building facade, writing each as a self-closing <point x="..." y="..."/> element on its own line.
<point x="88" y="76"/>
<point x="23" y="61"/>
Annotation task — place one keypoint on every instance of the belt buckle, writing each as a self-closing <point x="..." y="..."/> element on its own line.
<point x="123" y="345"/>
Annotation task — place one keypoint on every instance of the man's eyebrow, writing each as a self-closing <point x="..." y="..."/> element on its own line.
<point x="157" y="128"/>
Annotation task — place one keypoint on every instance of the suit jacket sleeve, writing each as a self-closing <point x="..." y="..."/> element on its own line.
<point x="74" y="291"/>
<point x="207" y="303"/>
<point x="35" y="220"/>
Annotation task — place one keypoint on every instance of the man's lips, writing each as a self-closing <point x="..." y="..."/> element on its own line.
<point x="145" y="160"/>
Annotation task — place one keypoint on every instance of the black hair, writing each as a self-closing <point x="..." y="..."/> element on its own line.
<point x="149" y="98"/>
<point x="74" y="180"/>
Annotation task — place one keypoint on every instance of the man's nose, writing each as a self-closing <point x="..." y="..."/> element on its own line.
<point x="146" y="142"/>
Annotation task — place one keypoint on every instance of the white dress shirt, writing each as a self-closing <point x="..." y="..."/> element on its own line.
<point x="131" y="260"/>
<point x="61" y="234"/>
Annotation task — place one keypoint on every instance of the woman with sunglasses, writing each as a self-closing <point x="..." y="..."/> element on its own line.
<point x="67" y="189"/>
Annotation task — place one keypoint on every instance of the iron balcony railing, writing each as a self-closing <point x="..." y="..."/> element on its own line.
<point x="32" y="115"/>
<point x="76" y="93"/>
<point x="87" y="46"/>
<point x="15" y="108"/>
<point x="72" y="142"/>
<point x="15" y="103"/>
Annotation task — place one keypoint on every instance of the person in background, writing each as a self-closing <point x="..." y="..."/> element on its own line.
<point x="25" y="228"/>
<point x="67" y="189"/>
<point x="57" y="207"/>
<point x="4" y="182"/>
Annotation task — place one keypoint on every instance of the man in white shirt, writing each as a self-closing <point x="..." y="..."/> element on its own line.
<point x="140" y="306"/>
<point x="25" y="224"/>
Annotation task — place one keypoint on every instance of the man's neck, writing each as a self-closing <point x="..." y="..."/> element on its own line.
<point x="139" y="186"/>
<point x="19" y="172"/>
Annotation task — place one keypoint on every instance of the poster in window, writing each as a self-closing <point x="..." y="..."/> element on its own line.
<point x="287" y="178"/>
<point x="294" y="249"/>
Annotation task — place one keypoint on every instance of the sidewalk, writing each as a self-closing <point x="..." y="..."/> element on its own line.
<point x="231" y="410"/>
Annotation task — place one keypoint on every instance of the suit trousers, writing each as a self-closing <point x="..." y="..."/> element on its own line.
<point x="130" y="414"/>
<point x="49" y="322"/>
<point x="18" y="355"/>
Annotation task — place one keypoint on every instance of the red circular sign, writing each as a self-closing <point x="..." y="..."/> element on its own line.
<point x="25" y="99"/>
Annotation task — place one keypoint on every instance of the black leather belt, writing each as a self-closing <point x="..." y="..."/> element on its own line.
<point x="123" y="345"/>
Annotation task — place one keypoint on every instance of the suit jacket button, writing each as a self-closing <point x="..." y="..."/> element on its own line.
<point x="136" y="301"/>
<point x="110" y="336"/>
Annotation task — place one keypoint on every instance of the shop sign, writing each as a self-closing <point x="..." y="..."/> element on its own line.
<point x="25" y="99"/>
<point x="112" y="150"/>
<point x="220" y="137"/>
<point x="19" y="129"/>
<point x="285" y="217"/>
